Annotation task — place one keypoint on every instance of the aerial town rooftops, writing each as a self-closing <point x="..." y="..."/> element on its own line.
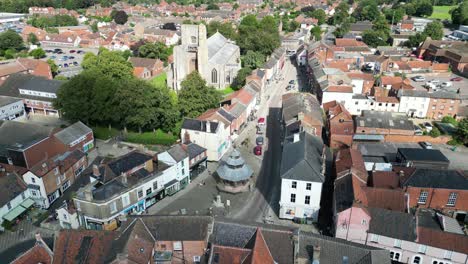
<point x="200" y="125"/>
<point x="392" y="224"/>
<point x="72" y="133"/>
<point x="19" y="136"/>
<point x="418" y="154"/>
<point x="434" y="178"/>
<point x="385" y="120"/>
<point x="16" y="82"/>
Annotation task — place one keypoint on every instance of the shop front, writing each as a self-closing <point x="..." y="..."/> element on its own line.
<point x="154" y="197"/>
<point x="184" y="182"/>
<point x="171" y="187"/>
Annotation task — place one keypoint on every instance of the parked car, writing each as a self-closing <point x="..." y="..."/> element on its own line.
<point x="261" y="121"/>
<point x="258" y="150"/>
<point x="446" y="84"/>
<point x="80" y="52"/>
<point x="75" y="63"/>
<point x="72" y="51"/>
<point x="428" y="126"/>
<point x="259" y="140"/>
<point x="291" y="82"/>
<point x="71" y="58"/>
<point x="426" y="145"/>
<point x="418" y="131"/>
<point x="53" y="57"/>
<point x="456" y="79"/>
<point x="65" y="65"/>
<point x="419" y="78"/>
<point x="260" y="129"/>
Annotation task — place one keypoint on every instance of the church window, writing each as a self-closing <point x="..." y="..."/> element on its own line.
<point x="194" y="39"/>
<point x="214" y="76"/>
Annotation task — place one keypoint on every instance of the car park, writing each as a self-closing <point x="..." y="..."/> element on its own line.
<point x="426" y="145"/>
<point x="259" y="140"/>
<point x="258" y="150"/>
<point x="418" y="78"/>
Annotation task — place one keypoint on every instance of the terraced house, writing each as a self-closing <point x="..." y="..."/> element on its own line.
<point x="129" y="185"/>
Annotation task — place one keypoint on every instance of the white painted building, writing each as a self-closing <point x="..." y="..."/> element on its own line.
<point x="214" y="136"/>
<point x="15" y="198"/>
<point x="68" y="216"/>
<point x="302" y="177"/>
<point x="11" y="108"/>
<point x="414" y="103"/>
<point x="340" y="94"/>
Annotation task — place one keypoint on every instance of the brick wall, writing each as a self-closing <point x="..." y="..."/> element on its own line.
<point x="438" y="108"/>
<point x="438" y="198"/>
<point x="413" y="139"/>
<point x="340" y="141"/>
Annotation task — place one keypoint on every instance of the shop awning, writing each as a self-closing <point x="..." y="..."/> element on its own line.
<point x="14" y="213"/>
<point x="27" y="203"/>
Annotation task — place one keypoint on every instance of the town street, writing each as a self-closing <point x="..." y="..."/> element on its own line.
<point x="263" y="204"/>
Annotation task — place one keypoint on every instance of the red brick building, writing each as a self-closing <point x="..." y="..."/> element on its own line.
<point x="340" y="125"/>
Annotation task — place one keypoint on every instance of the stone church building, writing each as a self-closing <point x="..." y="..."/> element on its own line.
<point x="217" y="58"/>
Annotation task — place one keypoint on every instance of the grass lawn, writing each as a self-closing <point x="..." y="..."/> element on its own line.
<point x="160" y="80"/>
<point x="151" y="138"/>
<point x="442" y="12"/>
<point x="227" y="91"/>
<point x="104" y="133"/>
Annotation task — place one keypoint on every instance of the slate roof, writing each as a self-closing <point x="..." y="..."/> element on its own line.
<point x="73" y="132"/>
<point x="432" y="178"/>
<point x="295" y="103"/>
<point x="418" y="154"/>
<point x="143" y="62"/>
<point x="220" y="49"/>
<point x="234" y="169"/>
<point x="385" y="120"/>
<point x="194" y="150"/>
<point x="335" y="250"/>
<point x="177" y="152"/>
<point x="440" y="94"/>
<point x="128" y="162"/>
<point x="18" y="135"/>
<point x="302" y="160"/>
<point x="6" y="100"/>
<point x="177" y="228"/>
<point x="28" y="82"/>
<point x="199" y="125"/>
<point x="392" y="224"/>
<point x="12" y="186"/>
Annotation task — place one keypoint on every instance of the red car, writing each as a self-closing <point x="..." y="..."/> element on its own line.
<point x="457" y="79"/>
<point x="258" y="150"/>
<point x="261" y="121"/>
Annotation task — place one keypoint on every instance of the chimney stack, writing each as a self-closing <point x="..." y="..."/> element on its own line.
<point x="401" y="174"/>
<point x="316" y="254"/>
<point x="38" y="238"/>
<point x="96" y="172"/>
<point x="88" y="193"/>
<point x="124" y="178"/>
<point x="208" y="126"/>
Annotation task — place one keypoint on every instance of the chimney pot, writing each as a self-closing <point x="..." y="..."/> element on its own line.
<point x="38" y="237"/>
<point x="316" y="254"/>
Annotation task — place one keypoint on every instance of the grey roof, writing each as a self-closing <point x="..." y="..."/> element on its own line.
<point x="302" y="160"/>
<point x="226" y="114"/>
<point x="419" y="154"/>
<point x="275" y="56"/>
<point x="29" y="82"/>
<point x="220" y="49"/>
<point x="177" y="152"/>
<point x="433" y="178"/>
<point x="6" y="100"/>
<point x="392" y="224"/>
<point x="442" y="94"/>
<point x="234" y="168"/>
<point x="127" y="162"/>
<point x="199" y="125"/>
<point x="178" y="228"/>
<point x="335" y="250"/>
<point x="360" y="26"/>
<point x="194" y="150"/>
<point x="449" y="224"/>
<point x="386" y="120"/>
<point x="73" y="132"/>
<point x="278" y="239"/>
<point x="237" y="109"/>
<point x="301" y="103"/>
<point x="359" y="96"/>
<point x="18" y="135"/>
<point x="11" y="188"/>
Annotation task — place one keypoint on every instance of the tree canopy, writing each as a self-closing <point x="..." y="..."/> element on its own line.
<point x="366" y="10"/>
<point x="239" y="81"/>
<point x="462" y="131"/>
<point x="53" y="21"/>
<point x="157" y="50"/>
<point x="253" y="59"/>
<point x="226" y="29"/>
<point x="37" y="53"/>
<point x="120" y="17"/>
<point x="261" y="36"/>
<point x="195" y="97"/>
<point x="10" y="40"/>
<point x="460" y="14"/>
<point x="110" y="63"/>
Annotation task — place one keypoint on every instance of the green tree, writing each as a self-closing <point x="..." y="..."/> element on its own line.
<point x="424" y="8"/>
<point x="374" y="38"/>
<point x="120" y="17"/>
<point x="415" y="40"/>
<point x="195" y="97"/>
<point x="155" y="50"/>
<point x="94" y="27"/>
<point x="110" y="63"/>
<point x="235" y="6"/>
<point x="394" y="14"/>
<point x="341" y="14"/>
<point x="435" y="30"/>
<point x="317" y="33"/>
<point x="226" y="29"/>
<point x="342" y="29"/>
<point x="320" y="15"/>
<point x="253" y="59"/>
<point x="449" y="120"/>
<point x="53" y="67"/>
<point x="366" y="10"/>
<point x="10" y="54"/>
<point x="435" y="132"/>
<point x="239" y="81"/>
<point x="258" y="36"/>
<point x="10" y="40"/>
<point x="460" y="14"/>
<point x="462" y="131"/>
<point x="33" y="39"/>
<point x="212" y="6"/>
<point x="37" y="53"/>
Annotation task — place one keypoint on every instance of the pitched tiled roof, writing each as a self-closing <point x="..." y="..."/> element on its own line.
<point x="40" y="253"/>
<point x="392" y="224"/>
<point x="82" y="246"/>
<point x="432" y="178"/>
